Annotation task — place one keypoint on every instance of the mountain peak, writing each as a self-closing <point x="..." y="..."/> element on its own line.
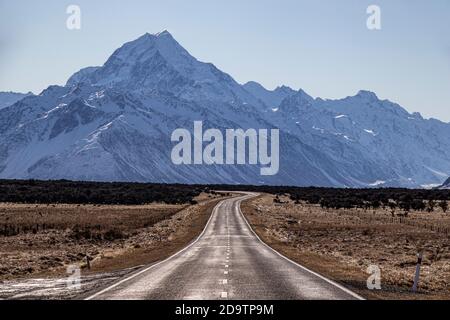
<point x="150" y="54"/>
<point x="301" y="94"/>
<point x="159" y="62"/>
<point x="272" y="98"/>
<point x="254" y="84"/>
<point x="155" y="36"/>
<point x="366" y="94"/>
<point x="163" y="33"/>
<point x="147" y="44"/>
<point x="285" y="89"/>
<point x="294" y="102"/>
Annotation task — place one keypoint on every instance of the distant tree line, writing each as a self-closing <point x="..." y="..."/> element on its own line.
<point x="72" y="192"/>
<point x="126" y="193"/>
<point x="388" y="198"/>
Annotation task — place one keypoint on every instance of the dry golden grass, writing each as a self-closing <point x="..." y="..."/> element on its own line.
<point x="85" y="221"/>
<point x="342" y="244"/>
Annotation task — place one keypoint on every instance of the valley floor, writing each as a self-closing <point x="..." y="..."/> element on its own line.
<point x="39" y="242"/>
<point x="342" y="244"/>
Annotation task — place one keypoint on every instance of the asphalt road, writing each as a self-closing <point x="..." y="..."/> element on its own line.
<point x="227" y="261"/>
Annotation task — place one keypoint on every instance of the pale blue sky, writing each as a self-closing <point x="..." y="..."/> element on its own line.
<point x="322" y="46"/>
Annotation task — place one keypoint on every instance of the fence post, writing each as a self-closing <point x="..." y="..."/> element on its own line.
<point x="88" y="262"/>
<point x="417" y="276"/>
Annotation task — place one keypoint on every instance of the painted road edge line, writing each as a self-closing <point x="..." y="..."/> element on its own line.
<point x="353" y="294"/>
<point x="163" y="261"/>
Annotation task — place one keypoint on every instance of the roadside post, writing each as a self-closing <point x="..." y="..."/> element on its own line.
<point x="88" y="262"/>
<point x="417" y="276"/>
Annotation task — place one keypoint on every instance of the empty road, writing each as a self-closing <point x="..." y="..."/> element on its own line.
<point x="227" y="261"/>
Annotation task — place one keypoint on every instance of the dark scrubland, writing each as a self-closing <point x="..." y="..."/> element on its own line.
<point x="75" y="192"/>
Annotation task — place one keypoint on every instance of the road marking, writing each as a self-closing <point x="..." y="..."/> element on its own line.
<point x="205" y="230"/>
<point x="214" y="213"/>
<point x="225" y="281"/>
<point x="224" y="295"/>
<point x="226" y="266"/>
<point x="337" y="285"/>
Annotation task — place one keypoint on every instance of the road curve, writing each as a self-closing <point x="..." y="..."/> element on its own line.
<point x="227" y="261"/>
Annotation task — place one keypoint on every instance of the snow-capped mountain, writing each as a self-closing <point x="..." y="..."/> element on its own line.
<point x="398" y="148"/>
<point x="114" y="123"/>
<point x="9" y="98"/>
<point x="158" y="62"/>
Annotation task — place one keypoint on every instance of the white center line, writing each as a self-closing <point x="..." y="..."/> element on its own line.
<point x="225" y="281"/>
<point x="224" y="295"/>
<point x="225" y="272"/>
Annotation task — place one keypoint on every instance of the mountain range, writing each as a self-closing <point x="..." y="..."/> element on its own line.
<point x="114" y="123"/>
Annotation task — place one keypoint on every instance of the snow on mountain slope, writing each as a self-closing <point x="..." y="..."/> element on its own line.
<point x="9" y="98"/>
<point x="114" y="123"/>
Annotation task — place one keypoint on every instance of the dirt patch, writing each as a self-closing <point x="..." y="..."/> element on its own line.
<point x="342" y="244"/>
